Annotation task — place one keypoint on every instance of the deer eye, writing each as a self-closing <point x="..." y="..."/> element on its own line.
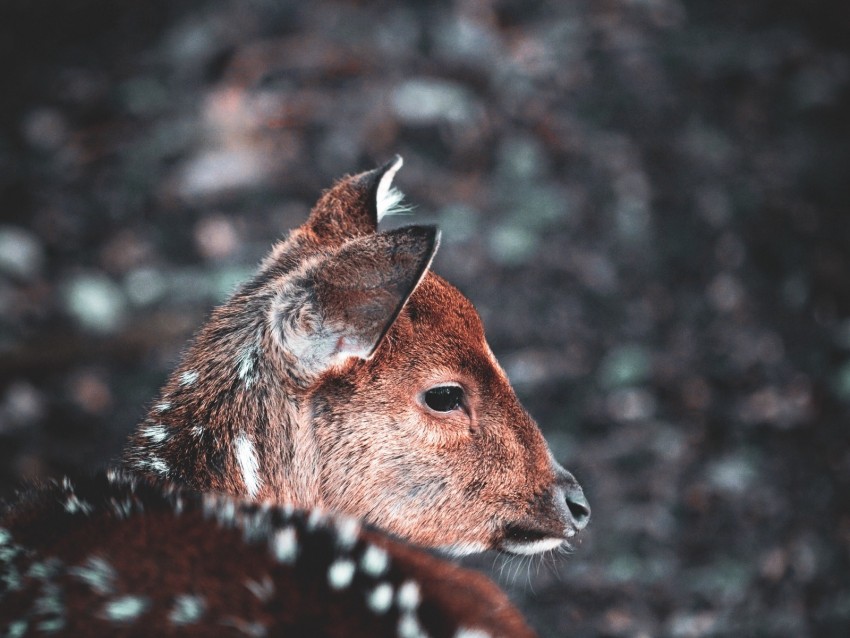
<point x="444" y="398"/>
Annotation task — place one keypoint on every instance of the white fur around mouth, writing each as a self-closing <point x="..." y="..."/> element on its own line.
<point x="532" y="547"/>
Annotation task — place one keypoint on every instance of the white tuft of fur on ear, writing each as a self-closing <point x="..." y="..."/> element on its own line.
<point x="389" y="200"/>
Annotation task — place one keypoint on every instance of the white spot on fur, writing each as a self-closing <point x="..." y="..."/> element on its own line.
<point x="246" y="368"/>
<point x="5" y="536"/>
<point x="153" y="463"/>
<point x="156" y="433"/>
<point x="347" y="532"/>
<point x="158" y="465"/>
<point x="45" y="570"/>
<point x="188" y="378"/>
<point x="374" y="561"/>
<point x="388" y="198"/>
<point x="162" y="407"/>
<point x="74" y="505"/>
<point x="16" y="629"/>
<point x="125" y="609"/>
<point x="210" y="504"/>
<point x="262" y="590"/>
<point x="408" y="596"/>
<point x="464" y="549"/>
<point x="123" y="508"/>
<point x="187" y="609"/>
<point x="9" y="574"/>
<point x="255" y="525"/>
<point x="340" y="574"/>
<point x="253" y="629"/>
<point x="50" y="603"/>
<point x="381" y="598"/>
<point x="221" y="508"/>
<point x="463" y="632"/>
<point x="316" y="518"/>
<point x="246" y="456"/>
<point x="97" y="573"/>
<point x="533" y="547"/>
<point x="51" y="625"/>
<point x="285" y="545"/>
<point x="409" y="627"/>
<point x="198" y="430"/>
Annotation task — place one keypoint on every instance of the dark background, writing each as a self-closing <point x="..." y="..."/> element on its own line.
<point x="646" y="200"/>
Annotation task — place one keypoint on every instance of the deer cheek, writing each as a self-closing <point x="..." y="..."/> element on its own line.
<point x="438" y="432"/>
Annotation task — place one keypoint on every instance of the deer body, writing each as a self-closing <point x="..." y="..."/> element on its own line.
<point x="115" y="555"/>
<point x="344" y="393"/>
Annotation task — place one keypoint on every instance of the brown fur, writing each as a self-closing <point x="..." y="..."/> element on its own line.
<point x="118" y="556"/>
<point x="316" y="369"/>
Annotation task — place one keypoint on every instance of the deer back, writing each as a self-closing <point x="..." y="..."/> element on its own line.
<point x="119" y="556"/>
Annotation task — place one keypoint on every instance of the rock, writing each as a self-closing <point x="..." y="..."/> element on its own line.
<point x="625" y="365"/>
<point x="427" y="101"/>
<point x="45" y="129"/>
<point x="96" y="303"/>
<point x="22" y="406"/>
<point x="512" y="244"/>
<point x="144" y="286"/>
<point x="21" y="253"/>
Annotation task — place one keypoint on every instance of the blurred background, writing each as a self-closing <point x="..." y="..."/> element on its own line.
<point x="646" y="200"/>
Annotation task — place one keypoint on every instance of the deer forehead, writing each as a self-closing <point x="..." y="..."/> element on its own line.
<point x="439" y="332"/>
<point x="438" y="301"/>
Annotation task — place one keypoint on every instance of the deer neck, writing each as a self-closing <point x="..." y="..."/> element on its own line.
<point x="232" y="417"/>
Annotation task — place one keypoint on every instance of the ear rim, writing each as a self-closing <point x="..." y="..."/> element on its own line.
<point x="431" y="234"/>
<point x="378" y="182"/>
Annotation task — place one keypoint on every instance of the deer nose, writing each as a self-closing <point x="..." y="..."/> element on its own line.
<point x="576" y="501"/>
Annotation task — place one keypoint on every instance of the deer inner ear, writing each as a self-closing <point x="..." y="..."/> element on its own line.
<point x="357" y="293"/>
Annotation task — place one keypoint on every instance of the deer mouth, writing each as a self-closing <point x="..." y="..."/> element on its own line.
<point x="527" y="541"/>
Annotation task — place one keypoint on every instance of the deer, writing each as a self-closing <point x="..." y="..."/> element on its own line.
<point x="343" y="403"/>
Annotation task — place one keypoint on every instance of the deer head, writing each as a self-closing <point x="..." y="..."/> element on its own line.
<point x="347" y="376"/>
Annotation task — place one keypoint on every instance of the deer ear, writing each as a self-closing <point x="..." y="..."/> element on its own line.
<point x="354" y="205"/>
<point x="355" y="296"/>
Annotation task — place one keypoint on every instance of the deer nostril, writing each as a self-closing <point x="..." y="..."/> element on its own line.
<point x="578" y="506"/>
<point x="574" y="499"/>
